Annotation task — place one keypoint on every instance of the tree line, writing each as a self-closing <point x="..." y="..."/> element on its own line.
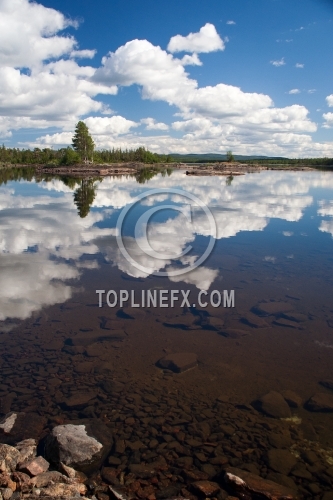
<point x="294" y="161"/>
<point x="68" y="156"/>
<point x="82" y="151"/>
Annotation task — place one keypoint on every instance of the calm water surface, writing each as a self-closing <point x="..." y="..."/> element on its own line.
<point x="58" y="245"/>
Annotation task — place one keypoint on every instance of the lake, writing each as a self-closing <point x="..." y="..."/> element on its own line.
<point x="64" y="358"/>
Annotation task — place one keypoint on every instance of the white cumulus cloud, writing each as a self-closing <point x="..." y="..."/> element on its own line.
<point x="294" y="91"/>
<point x="328" y="117"/>
<point x="28" y="33"/>
<point x="206" y="40"/>
<point x="152" y="124"/>
<point x="191" y="60"/>
<point x="44" y="84"/>
<point x="329" y="100"/>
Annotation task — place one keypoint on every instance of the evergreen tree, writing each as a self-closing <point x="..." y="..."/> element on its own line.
<point x="82" y="142"/>
<point x="84" y="197"/>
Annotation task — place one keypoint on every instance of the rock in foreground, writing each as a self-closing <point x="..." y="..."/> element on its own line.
<point x="250" y="484"/>
<point x="71" y="445"/>
<point x="35" y="482"/>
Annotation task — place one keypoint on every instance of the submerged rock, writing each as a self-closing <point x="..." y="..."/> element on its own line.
<point x="272" y="308"/>
<point x="281" y="461"/>
<point x="292" y="399"/>
<point x="274" y="405"/>
<point x="321" y="401"/>
<point x="250" y="484"/>
<point x="327" y="383"/>
<point x="18" y="426"/>
<point x="79" y="400"/>
<point x="233" y="333"/>
<point x="206" y="488"/>
<point x="179" y="362"/>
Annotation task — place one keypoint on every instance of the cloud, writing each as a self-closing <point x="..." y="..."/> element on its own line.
<point x="28" y="33"/>
<point x="299" y="65"/>
<point x="206" y="40"/>
<point x="101" y="128"/>
<point x="40" y="86"/>
<point x="51" y="226"/>
<point x="329" y="100"/>
<point x="312" y="91"/>
<point x="231" y="22"/>
<point x="59" y="234"/>
<point x="58" y="139"/>
<point x="151" y="124"/>
<point x="328" y="117"/>
<point x="81" y="54"/>
<point x="191" y="60"/>
<point x="49" y="87"/>
<point x="326" y="226"/>
<point x="326" y="208"/>
<point x="214" y="118"/>
<point x="114" y="125"/>
<point x="294" y="91"/>
<point x="43" y="278"/>
<point x="247" y="207"/>
<point x="279" y="62"/>
<point x="201" y="277"/>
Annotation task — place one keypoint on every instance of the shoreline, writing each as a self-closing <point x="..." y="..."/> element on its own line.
<point x="131" y="168"/>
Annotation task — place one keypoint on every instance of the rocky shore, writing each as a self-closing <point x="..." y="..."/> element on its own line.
<point x="156" y="448"/>
<point x="234" y="169"/>
<point x="96" y="170"/>
<point x="132" y="168"/>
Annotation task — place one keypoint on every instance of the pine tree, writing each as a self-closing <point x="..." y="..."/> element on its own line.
<point x="84" y="197"/>
<point x="83" y="142"/>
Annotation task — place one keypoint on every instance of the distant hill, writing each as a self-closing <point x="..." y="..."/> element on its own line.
<point x="197" y="158"/>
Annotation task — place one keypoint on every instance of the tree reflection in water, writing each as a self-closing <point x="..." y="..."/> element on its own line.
<point x="84" y="196"/>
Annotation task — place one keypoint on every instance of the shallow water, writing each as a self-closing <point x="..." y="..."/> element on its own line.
<point x="273" y="243"/>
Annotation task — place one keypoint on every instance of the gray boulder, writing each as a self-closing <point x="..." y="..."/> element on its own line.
<point x="78" y="446"/>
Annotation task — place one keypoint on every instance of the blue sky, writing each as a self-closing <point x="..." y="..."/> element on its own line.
<point x="254" y="76"/>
